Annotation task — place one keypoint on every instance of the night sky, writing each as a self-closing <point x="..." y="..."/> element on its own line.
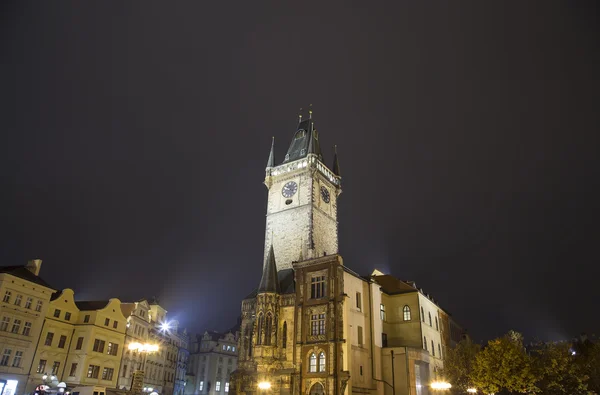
<point x="135" y="137"/>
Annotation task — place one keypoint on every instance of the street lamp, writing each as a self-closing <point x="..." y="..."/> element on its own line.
<point x="264" y="385"/>
<point x="440" y="386"/>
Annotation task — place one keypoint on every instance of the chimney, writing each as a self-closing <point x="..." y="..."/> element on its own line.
<point x="34" y="266"/>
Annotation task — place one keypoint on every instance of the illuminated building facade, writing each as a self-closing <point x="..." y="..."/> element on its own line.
<point x="213" y="358"/>
<point x="25" y="297"/>
<point x="313" y="326"/>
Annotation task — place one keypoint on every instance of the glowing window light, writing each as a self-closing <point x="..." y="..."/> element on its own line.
<point x="471" y="390"/>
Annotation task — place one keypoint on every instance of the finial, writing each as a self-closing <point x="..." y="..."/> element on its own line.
<point x="310" y="111"/>
<point x="300" y="115"/>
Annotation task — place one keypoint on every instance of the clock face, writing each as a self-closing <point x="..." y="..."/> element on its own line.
<point x="289" y="189"/>
<point x="325" y="194"/>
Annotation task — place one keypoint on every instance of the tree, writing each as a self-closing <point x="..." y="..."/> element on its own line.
<point x="458" y="365"/>
<point x="587" y="358"/>
<point x="557" y="370"/>
<point x="504" y="365"/>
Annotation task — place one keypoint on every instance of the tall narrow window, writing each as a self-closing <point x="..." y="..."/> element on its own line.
<point x="439" y="350"/>
<point x="317" y="287"/>
<point x="425" y="343"/>
<point x="79" y="343"/>
<point x="358" y="301"/>
<point x="74" y="369"/>
<point x="49" y="338"/>
<point x="61" y="341"/>
<point x="382" y="312"/>
<point x="17" y="361"/>
<point x="5" y="323"/>
<point x="27" y="329"/>
<point x="268" y="327"/>
<point x="28" y="303"/>
<point x="360" y="336"/>
<point x="312" y="363"/>
<point x="432" y="348"/>
<point x="406" y="312"/>
<point x="317" y="324"/>
<point x="437" y="327"/>
<point x="18" y="300"/>
<point x="384" y="340"/>
<point x="55" y="367"/>
<point x="422" y="315"/>
<point x="430" y="324"/>
<point x="16" y="326"/>
<point x="322" y="362"/>
<point x="5" y="357"/>
<point x="41" y="368"/>
<point x="38" y="306"/>
<point x="7" y="295"/>
<point x="259" y="330"/>
<point x="284" y="335"/>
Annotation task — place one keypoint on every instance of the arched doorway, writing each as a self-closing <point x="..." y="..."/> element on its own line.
<point x="317" y="389"/>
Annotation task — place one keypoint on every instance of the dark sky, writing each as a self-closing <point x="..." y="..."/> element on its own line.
<point x="135" y="137"/>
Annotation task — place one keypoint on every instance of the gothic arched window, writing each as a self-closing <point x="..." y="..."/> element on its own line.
<point x="322" y="362"/>
<point x="284" y="335"/>
<point x="268" y="328"/>
<point x="312" y="363"/>
<point x="259" y="332"/>
<point x="406" y="311"/>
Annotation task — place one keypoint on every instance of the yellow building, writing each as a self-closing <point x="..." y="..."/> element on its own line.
<point x="81" y="343"/>
<point x="25" y="297"/>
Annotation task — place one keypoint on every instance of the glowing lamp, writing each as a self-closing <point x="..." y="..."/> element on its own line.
<point x="440" y="385"/>
<point x="471" y="390"/>
<point x="264" y="385"/>
<point x="165" y="326"/>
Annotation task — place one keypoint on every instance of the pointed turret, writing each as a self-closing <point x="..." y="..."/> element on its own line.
<point x="271" y="161"/>
<point x="336" y="164"/>
<point x="269" y="281"/>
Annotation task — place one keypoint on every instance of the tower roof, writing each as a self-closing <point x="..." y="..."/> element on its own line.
<point x="336" y="164"/>
<point x="269" y="281"/>
<point x="271" y="160"/>
<point x="304" y="142"/>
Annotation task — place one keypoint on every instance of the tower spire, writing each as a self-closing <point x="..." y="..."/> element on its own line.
<point x="269" y="281"/>
<point x="271" y="161"/>
<point x="336" y="164"/>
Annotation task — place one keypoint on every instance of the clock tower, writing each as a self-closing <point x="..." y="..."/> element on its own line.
<point x="302" y="202"/>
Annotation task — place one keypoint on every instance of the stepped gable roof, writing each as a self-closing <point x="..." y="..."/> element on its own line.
<point x="23" y="273"/>
<point x="91" y="305"/>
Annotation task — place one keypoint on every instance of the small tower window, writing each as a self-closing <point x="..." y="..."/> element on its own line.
<point x="268" y="330"/>
<point x="300" y="134"/>
<point x="259" y="330"/>
<point x="284" y="336"/>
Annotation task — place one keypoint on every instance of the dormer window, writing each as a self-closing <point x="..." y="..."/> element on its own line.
<point x="300" y="134"/>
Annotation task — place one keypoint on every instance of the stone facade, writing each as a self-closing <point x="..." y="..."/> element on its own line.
<point x="314" y="326"/>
